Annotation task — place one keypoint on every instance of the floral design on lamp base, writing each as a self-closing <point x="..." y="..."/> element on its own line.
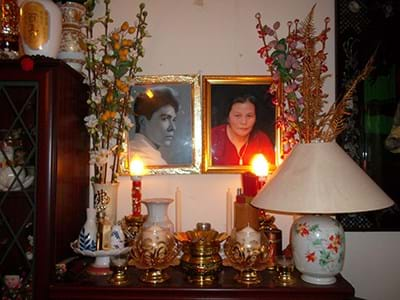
<point x="318" y="248"/>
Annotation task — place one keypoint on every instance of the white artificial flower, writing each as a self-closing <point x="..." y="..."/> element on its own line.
<point x="128" y="122"/>
<point x="99" y="157"/>
<point x="97" y="99"/>
<point x="109" y="76"/>
<point x="91" y="121"/>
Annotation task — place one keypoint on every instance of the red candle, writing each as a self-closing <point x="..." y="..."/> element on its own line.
<point x="137" y="169"/>
<point x="136" y="196"/>
<point x="250" y="184"/>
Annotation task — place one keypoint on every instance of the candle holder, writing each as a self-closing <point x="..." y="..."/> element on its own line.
<point x="284" y="269"/>
<point x="246" y="251"/>
<point x="119" y="267"/>
<point x="274" y="238"/>
<point x="153" y="251"/>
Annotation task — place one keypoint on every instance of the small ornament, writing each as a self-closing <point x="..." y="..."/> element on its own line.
<point x="117" y="237"/>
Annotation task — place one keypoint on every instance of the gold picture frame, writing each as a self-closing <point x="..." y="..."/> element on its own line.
<point x="183" y="156"/>
<point x="218" y="92"/>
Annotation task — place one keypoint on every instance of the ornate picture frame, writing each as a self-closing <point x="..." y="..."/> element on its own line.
<point x="182" y="155"/>
<point x="218" y="93"/>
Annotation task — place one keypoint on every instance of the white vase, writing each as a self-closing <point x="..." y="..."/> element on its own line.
<point x="117" y="237"/>
<point x="157" y="213"/>
<point x="40" y="27"/>
<point x="72" y="38"/>
<point x="105" y="203"/>
<point x="106" y="195"/>
<point x="88" y="233"/>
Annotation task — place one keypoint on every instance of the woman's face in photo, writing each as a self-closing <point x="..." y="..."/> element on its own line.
<point x="160" y="129"/>
<point x="242" y="118"/>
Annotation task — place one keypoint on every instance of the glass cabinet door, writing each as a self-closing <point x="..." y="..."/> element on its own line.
<point x="18" y="144"/>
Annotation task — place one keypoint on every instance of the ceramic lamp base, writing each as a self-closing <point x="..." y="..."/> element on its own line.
<point x="318" y="245"/>
<point x="318" y="280"/>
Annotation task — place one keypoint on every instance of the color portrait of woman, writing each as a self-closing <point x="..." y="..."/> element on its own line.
<point x="236" y="141"/>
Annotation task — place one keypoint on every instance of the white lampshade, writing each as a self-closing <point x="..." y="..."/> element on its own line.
<point x="320" y="178"/>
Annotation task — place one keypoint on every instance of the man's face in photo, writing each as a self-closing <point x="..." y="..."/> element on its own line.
<point x="160" y="129"/>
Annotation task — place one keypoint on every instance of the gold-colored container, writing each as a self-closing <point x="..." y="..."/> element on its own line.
<point x="154" y="250"/>
<point x="201" y="260"/>
<point x="274" y="238"/>
<point x="246" y="251"/>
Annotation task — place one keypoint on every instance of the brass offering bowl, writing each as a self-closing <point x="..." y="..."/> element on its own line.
<point x="201" y="260"/>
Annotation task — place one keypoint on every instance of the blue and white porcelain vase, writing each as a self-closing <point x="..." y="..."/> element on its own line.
<point x="117" y="237"/>
<point x="88" y="233"/>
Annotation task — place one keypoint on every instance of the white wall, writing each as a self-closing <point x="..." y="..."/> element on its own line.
<point x="219" y="37"/>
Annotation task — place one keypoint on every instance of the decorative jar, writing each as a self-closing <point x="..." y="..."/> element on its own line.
<point x="153" y="251"/>
<point x="72" y="40"/>
<point x="157" y="212"/>
<point x="105" y="202"/>
<point x="318" y="245"/>
<point x="247" y="251"/>
<point x="201" y="260"/>
<point x="40" y="27"/>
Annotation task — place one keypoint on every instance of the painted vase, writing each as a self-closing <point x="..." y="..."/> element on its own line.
<point x="72" y="38"/>
<point x="105" y="203"/>
<point x="40" y="27"/>
<point x="88" y="233"/>
<point x="117" y="237"/>
<point x="318" y="245"/>
<point x="157" y="213"/>
<point x="105" y="199"/>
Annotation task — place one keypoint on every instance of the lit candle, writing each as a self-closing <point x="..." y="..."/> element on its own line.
<point x="248" y="237"/>
<point x="229" y="203"/>
<point x="178" y="210"/>
<point x="260" y="168"/>
<point x="137" y="169"/>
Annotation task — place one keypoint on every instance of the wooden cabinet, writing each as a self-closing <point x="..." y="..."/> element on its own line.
<point x="41" y="118"/>
<point x="83" y="286"/>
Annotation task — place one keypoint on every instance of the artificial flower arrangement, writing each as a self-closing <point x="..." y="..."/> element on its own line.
<point x="298" y="67"/>
<point x="111" y="67"/>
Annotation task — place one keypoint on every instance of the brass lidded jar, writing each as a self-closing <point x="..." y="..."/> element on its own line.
<point x="201" y="260"/>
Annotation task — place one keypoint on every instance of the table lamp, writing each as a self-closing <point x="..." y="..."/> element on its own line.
<point x="318" y="180"/>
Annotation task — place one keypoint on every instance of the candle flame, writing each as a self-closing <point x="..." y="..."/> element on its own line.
<point x="136" y="167"/>
<point x="259" y="165"/>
